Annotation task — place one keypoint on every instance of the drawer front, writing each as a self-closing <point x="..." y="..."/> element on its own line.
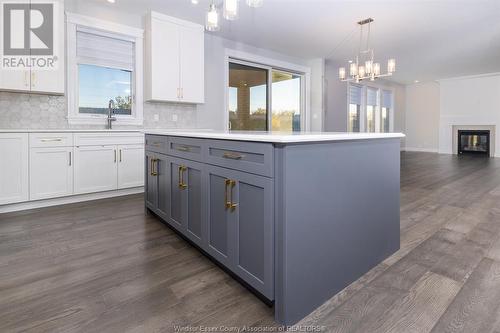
<point x="43" y="140"/>
<point x="250" y="157"/>
<point x="104" y="139"/>
<point x="188" y="148"/>
<point x="156" y="143"/>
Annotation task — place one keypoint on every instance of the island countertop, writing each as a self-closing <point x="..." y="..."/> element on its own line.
<point x="277" y="137"/>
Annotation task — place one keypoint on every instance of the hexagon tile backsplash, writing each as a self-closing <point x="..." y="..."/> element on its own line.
<point x="32" y="111"/>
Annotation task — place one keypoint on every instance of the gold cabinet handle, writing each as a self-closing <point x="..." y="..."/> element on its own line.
<point x="182" y="185"/>
<point x="183" y="148"/>
<point x="226" y="199"/>
<point x="26" y="78"/>
<point x="233" y="204"/>
<point x="232" y="156"/>
<point x="228" y="194"/>
<point x="152" y="163"/>
<point x="33" y="76"/>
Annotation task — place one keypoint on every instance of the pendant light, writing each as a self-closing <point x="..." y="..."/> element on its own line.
<point x="212" y="21"/>
<point x="255" y="3"/>
<point x="230" y="10"/>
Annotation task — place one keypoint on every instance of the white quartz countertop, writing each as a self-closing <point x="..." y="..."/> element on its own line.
<point x="277" y="137"/>
<point x="20" y="130"/>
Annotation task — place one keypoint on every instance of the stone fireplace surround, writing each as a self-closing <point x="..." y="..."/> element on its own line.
<point x="456" y="128"/>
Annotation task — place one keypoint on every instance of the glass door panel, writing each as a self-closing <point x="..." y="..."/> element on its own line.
<point x="286" y="101"/>
<point x="248" y="87"/>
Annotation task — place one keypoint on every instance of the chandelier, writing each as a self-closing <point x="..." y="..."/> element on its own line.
<point x="364" y="67"/>
<point x="230" y="12"/>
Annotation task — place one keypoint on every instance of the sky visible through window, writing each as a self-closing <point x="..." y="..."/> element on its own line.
<point x="100" y="84"/>
<point x="284" y="97"/>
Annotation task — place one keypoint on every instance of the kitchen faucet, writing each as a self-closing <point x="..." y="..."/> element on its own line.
<point x="110" y="118"/>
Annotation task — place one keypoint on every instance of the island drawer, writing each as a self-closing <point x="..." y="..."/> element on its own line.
<point x="156" y="143"/>
<point x="188" y="148"/>
<point x="250" y="157"/>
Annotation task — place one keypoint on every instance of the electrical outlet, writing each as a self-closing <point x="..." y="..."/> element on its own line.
<point x="156" y="117"/>
<point x="174" y="117"/>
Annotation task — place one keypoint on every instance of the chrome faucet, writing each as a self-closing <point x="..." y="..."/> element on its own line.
<point x="110" y="118"/>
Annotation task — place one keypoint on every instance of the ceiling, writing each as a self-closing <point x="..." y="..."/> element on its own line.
<point x="430" y="39"/>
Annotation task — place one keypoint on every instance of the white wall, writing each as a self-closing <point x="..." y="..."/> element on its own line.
<point x="422" y="117"/>
<point x="468" y="101"/>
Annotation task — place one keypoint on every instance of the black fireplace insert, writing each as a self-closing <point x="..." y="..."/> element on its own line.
<point x="475" y="142"/>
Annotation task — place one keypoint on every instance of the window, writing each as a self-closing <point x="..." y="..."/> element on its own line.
<point x="355" y="93"/>
<point x="370" y="109"/>
<point x="104" y="69"/>
<point x="386" y="110"/>
<point x="262" y="98"/>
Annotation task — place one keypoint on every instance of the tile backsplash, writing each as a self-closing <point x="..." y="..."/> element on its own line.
<point x="32" y="111"/>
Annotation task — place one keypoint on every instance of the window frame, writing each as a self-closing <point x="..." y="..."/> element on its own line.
<point x="363" y="111"/>
<point x="250" y="59"/>
<point x="108" y="29"/>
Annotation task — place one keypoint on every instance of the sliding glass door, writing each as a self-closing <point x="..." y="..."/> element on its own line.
<point x="248" y="97"/>
<point x="261" y="98"/>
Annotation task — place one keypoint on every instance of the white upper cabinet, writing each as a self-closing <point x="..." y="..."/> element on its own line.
<point x="175" y="60"/>
<point x="45" y="79"/>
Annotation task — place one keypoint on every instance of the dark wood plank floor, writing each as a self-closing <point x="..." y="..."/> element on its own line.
<point x="106" y="266"/>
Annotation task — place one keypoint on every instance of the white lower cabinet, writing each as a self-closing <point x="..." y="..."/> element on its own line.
<point x="95" y="169"/>
<point x="13" y="168"/>
<point x="51" y="172"/>
<point x="130" y="166"/>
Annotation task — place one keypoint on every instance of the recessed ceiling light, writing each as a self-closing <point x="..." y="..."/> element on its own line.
<point x="416" y="81"/>
<point x="194" y="2"/>
<point x="111" y="1"/>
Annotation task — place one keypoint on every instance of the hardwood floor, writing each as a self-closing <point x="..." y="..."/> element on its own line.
<point x="106" y="266"/>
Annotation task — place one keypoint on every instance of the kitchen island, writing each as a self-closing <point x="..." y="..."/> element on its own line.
<point x="295" y="217"/>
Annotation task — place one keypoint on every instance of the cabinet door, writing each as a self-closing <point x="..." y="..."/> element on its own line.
<point x="51" y="172"/>
<point x="14" y="80"/>
<point x="150" y="181"/>
<point x="13" y="167"/>
<point x="192" y="60"/>
<point x="164" y="60"/>
<point x="220" y="242"/>
<point x="163" y="184"/>
<point x="130" y="166"/>
<point x="185" y="198"/>
<point x="95" y="169"/>
<point x="254" y="231"/>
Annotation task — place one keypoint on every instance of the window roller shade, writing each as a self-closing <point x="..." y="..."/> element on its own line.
<point x="104" y="51"/>
<point x="387" y="99"/>
<point x="355" y="94"/>
<point x="371" y="97"/>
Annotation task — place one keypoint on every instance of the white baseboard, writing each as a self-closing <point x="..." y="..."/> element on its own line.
<point x="67" y="200"/>
<point x="426" y="150"/>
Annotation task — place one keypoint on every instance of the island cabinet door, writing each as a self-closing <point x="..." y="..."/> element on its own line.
<point x="162" y="185"/>
<point x="150" y="181"/>
<point x="220" y="243"/>
<point x="252" y="214"/>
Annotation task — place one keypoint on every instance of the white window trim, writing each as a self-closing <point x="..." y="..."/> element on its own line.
<point x="362" y="115"/>
<point x="107" y="28"/>
<point x="231" y="55"/>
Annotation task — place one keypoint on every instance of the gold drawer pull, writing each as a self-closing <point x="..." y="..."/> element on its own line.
<point x="182" y="185"/>
<point x="226" y="199"/>
<point x="52" y="140"/>
<point x="233" y="156"/>
<point x="183" y="148"/>
<point x="153" y="163"/>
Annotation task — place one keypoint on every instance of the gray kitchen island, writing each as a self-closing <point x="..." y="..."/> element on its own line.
<point x="295" y="217"/>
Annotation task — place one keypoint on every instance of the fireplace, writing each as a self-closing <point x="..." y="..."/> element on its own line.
<point x="475" y="142"/>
